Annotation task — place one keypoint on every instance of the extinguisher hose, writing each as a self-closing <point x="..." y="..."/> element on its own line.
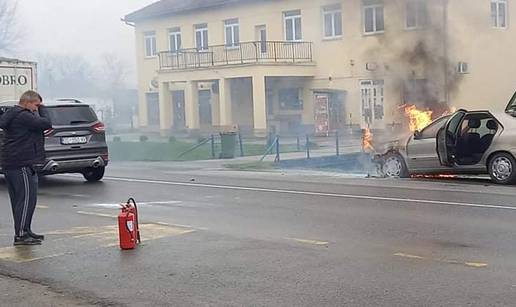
<point x="129" y="201"/>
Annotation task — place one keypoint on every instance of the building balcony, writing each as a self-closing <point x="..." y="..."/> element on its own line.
<point x="244" y="53"/>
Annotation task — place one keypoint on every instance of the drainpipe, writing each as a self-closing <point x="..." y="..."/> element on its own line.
<point x="445" y="51"/>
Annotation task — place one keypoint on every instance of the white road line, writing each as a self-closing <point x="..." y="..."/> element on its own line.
<point x="294" y="192"/>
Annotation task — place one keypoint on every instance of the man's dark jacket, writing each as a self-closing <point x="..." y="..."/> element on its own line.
<point x="23" y="141"/>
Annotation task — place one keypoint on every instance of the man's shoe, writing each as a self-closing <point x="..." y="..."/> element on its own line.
<point x="35" y="236"/>
<point x="26" y="240"/>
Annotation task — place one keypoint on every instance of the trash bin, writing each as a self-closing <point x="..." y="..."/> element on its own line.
<point x="228" y="144"/>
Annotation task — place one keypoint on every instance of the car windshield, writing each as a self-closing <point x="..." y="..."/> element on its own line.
<point x="71" y="115"/>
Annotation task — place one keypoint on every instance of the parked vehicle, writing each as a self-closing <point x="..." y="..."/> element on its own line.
<point x="465" y="142"/>
<point x="77" y="142"/>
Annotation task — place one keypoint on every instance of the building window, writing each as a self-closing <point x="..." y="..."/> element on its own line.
<point x="231" y="32"/>
<point x="150" y="43"/>
<point x="293" y="25"/>
<point x="332" y="18"/>
<point x="499" y="13"/>
<point x="372" y="96"/>
<point x="201" y="36"/>
<point x="290" y="99"/>
<point x="174" y="38"/>
<point x="373" y="16"/>
<point x="416" y="14"/>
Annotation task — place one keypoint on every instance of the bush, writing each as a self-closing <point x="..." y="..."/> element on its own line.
<point x="144" y="138"/>
<point x="172" y="139"/>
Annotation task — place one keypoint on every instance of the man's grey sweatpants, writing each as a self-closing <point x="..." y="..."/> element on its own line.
<point x="22" y="184"/>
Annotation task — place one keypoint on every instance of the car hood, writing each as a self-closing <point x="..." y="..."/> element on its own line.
<point x="392" y="142"/>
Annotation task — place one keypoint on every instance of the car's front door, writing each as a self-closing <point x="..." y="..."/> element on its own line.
<point x="447" y="138"/>
<point x="421" y="153"/>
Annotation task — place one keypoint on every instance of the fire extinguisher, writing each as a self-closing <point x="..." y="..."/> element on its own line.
<point x="128" y="228"/>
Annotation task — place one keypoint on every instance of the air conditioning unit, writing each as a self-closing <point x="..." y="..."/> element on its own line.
<point x="463" y="68"/>
<point x="371" y="66"/>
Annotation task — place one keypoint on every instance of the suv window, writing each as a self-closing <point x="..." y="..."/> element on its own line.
<point x="71" y="115"/>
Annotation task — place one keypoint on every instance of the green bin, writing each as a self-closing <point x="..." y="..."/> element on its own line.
<point x="228" y="145"/>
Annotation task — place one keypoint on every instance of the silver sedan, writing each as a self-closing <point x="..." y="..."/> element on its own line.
<point x="465" y="142"/>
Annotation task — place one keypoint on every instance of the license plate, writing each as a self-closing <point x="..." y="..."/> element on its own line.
<point x="74" y="140"/>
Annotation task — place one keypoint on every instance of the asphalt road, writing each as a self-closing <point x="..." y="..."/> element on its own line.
<point x="215" y="237"/>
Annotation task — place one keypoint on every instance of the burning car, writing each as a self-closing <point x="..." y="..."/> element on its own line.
<point x="464" y="142"/>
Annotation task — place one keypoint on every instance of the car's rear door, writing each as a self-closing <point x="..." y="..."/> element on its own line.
<point x="447" y="137"/>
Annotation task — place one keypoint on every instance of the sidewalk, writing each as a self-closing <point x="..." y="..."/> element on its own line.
<point x="16" y="292"/>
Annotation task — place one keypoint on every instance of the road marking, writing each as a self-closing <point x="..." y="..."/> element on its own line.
<point x="476" y="265"/>
<point x="295" y="192"/>
<point x="307" y="241"/>
<point x="148" y="203"/>
<point x="42" y="207"/>
<point x="181" y="225"/>
<point x="408" y="256"/>
<point x="158" y="223"/>
<point x="91" y="238"/>
<point x="97" y="214"/>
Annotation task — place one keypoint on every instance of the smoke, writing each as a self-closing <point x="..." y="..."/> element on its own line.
<point x="418" y="60"/>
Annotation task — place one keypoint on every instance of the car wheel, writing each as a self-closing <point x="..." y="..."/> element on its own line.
<point x="394" y="166"/>
<point x="94" y="174"/>
<point x="502" y="168"/>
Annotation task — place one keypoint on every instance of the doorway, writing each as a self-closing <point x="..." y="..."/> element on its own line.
<point x="261" y="37"/>
<point x="178" y="101"/>
<point x="205" y="108"/>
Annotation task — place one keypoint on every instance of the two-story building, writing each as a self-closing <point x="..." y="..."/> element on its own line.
<point x="313" y="66"/>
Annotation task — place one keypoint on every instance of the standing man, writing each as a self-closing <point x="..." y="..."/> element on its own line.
<point x="23" y="148"/>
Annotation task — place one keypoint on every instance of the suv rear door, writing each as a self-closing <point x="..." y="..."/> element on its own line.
<point x="74" y="133"/>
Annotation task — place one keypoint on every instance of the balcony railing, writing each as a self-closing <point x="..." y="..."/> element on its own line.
<point x="243" y="53"/>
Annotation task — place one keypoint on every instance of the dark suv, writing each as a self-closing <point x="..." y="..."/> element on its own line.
<point x="77" y="141"/>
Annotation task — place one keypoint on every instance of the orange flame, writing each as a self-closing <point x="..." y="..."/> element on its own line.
<point x="418" y="119"/>
<point x="367" y="141"/>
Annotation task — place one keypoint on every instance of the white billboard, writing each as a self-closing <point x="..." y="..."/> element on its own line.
<point x="15" y="78"/>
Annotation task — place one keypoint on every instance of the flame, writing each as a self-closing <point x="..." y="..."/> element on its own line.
<point x="367" y="141"/>
<point x="436" y="176"/>
<point x="418" y="119"/>
<point x="450" y="111"/>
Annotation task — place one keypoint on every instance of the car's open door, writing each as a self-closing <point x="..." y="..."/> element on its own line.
<point x="447" y="138"/>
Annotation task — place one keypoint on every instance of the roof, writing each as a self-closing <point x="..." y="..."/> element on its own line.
<point x="174" y="7"/>
<point x="11" y="60"/>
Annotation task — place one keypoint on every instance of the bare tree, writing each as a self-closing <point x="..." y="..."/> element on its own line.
<point x="8" y="33"/>
<point x="66" y="75"/>
<point x="114" y="71"/>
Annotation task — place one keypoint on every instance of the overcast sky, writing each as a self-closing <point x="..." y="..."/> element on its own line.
<point x="87" y="27"/>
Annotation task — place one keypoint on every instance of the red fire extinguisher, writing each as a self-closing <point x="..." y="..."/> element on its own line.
<point x="128" y="229"/>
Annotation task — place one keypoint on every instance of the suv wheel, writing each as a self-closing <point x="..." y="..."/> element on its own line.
<point x="394" y="166"/>
<point x="94" y="174"/>
<point x="502" y="168"/>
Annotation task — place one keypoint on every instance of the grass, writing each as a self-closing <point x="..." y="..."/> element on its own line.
<point x="251" y="166"/>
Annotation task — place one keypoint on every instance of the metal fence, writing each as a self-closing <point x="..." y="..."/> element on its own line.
<point x="242" y="53"/>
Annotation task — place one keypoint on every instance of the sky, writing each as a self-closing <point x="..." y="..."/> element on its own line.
<point x="89" y="28"/>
